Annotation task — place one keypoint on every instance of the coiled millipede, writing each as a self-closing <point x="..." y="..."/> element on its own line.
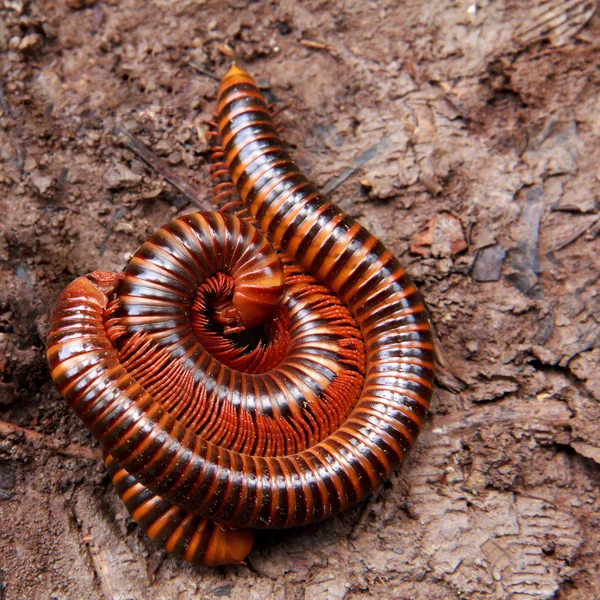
<point x="233" y="386"/>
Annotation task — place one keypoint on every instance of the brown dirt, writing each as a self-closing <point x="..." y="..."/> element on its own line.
<point x="485" y="165"/>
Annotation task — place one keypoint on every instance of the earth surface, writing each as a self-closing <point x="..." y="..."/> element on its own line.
<point x="464" y="134"/>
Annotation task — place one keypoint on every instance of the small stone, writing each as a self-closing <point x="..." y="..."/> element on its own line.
<point x="16" y="5"/>
<point x="225" y="50"/>
<point x="153" y="193"/>
<point x="13" y="43"/>
<point x="119" y="177"/>
<point x="123" y="227"/>
<point x="163" y="147"/>
<point x="472" y="346"/>
<point x="30" y="164"/>
<point x="41" y="183"/>
<point x="475" y="482"/>
<point x="488" y="263"/>
<point x="444" y="266"/>
<point x="30" y="42"/>
<point x="174" y="158"/>
<point x="443" y="237"/>
<point x="184" y="135"/>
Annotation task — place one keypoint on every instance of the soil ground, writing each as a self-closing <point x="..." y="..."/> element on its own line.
<point x="467" y="134"/>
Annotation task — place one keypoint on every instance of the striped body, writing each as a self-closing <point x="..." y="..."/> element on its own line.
<point x="304" y="433"/>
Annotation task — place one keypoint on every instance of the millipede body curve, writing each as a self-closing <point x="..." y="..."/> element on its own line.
<point x="261" y="371"/>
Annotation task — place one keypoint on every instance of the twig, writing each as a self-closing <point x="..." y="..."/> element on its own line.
<point x="358" y="162"/>
<point x="50" y="442"/>
<point x="315" y="45"/>
<point x="203" y="71"/>
<point x="162" y="168"/>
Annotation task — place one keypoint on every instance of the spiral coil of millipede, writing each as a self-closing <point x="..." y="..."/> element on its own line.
<point x="266" y="370"/>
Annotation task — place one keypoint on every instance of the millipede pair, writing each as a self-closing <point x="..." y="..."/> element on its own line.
<point x="236" y="383"/>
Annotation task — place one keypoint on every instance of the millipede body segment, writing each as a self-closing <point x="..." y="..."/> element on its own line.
<point x="265" y="372"/>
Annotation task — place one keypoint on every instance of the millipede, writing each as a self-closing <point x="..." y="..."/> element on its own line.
<point x="261" y="370"/>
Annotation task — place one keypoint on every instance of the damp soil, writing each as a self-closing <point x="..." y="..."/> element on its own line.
<point x="464" y="135"/>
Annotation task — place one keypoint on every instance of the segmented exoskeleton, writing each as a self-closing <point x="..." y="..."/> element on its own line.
<point x="232" y="389"/>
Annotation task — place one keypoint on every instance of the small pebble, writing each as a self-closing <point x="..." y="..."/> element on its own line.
<point x="119" y="177"/>
<point x="41" y="183"/>
<point x="30" y="42"/>
<point x="174" y="158"/>
<point x="488" y="263"/>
